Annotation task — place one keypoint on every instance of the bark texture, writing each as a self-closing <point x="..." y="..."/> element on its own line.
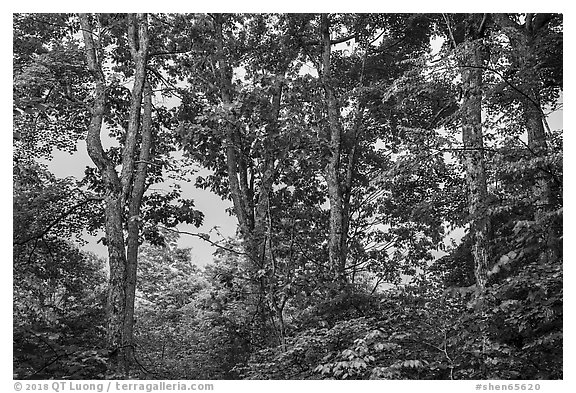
<point x="124" y="190"/>
<point x="338" y="226"/>
<point x="534" y="119"/>
<point x="251" y="206"/>
<point x="472" y="63"/>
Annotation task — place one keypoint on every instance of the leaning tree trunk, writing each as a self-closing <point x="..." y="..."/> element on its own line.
<point x="472" y="68"/>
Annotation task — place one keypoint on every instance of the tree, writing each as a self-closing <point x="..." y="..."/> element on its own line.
<point x="534" y="82"/>
<point x="61" y="89"/>
<point x="124" y="192"/>
<point x="386" y="47"/>
<point x="338" y="215"/>
<point x="467" y="40"/>
<point x="49" y="86"/>
<point x="246" y="121"/>
<point x="126" y="188"/>
<point x="58" y="289"/>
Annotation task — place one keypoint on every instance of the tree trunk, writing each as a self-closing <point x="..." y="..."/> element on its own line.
<point x="251" y="208"/>
<point x="134" y="221"/>
<point x="337" y="239"/>
<point x="534" y="120"/>
<point x="115" y="307"/>
<point x="122" y="261"/>
<point x="472" y="138"/>
<point x="138" y="42"/>
<point x="116" y="300"/>
<point x="225" y="81"/>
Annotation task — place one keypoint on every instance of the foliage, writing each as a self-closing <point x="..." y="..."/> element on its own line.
<point x="59" y="294"/>
<point x="49" y="85"/>
<point x="244" y="97"/>
<point x="58" y="289"/>
<point x="190" y="323"/>
<point x="427" y="331"/>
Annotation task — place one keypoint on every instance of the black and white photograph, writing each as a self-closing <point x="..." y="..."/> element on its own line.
<point x="287" y="196"/>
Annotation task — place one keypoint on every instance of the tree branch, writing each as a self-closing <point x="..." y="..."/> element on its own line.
<point x="137" y="29"/>
<point x="332" y="42"/>
<point x="175" y="52"/>
<point x="482" y="24"/>
<point x="450" y="33"/>
<point x="93" y="139"/>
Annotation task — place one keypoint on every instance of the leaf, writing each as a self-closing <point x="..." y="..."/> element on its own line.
<point x="412" y="363"/>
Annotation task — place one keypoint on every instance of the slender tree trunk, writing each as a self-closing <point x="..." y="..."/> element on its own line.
<point x="524" y="39"/>
<point x="472" y="138"/>
<point x="254" y="249"/>
<point x="134" y="221"/>
<point x="533" y="115"/>
<point x="263" y="231"/>
<point x="337" y="239"/>
<point x="138" y="43"/>
<point x="225" y="81"/>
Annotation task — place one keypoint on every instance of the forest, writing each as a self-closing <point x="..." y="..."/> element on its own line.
<point x="396" y="180"/>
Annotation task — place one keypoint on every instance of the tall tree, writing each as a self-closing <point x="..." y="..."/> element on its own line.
<point x="535" y="81"/>
<point x="467" y="40"/>
<point x="234" y="122"/>
<point x="338" y="214"/>
<point x="122" y="190"/>
<point x="251" y="204"/>
<point x="356" y="88"/>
